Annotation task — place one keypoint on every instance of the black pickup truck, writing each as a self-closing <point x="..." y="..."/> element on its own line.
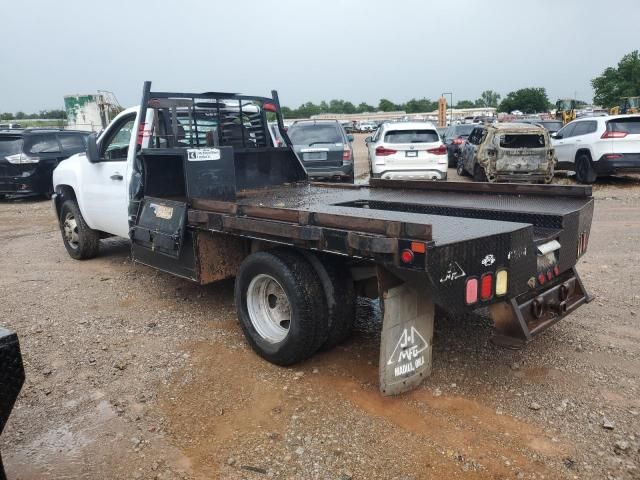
<point x="210" y="197"/>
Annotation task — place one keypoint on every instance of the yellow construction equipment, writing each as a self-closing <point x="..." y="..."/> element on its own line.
<point x="566" y="110"/>
<point x="627" y="105"/>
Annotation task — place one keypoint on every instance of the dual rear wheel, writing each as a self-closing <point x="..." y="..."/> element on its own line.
<point x="291" y="305"/>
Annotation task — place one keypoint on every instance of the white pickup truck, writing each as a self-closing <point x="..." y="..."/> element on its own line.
<point x="197" y="183"/>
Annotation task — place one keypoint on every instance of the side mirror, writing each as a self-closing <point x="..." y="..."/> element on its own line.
<point x="92" y="149"/>
<point x="350" y="137"/>
<point x="556" y="136"/>
<point x="368" y="139"/>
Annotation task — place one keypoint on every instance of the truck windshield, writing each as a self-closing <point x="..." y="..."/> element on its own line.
<point x="522" y="140"/>
<point x="411" y="136"/>
<point x="314" y="134"/>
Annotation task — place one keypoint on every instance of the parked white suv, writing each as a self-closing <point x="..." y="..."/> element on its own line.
<point x="407" y="151"/>
<point x="595" y="146"/>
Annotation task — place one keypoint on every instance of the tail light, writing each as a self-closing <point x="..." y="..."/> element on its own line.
<point x="441" y="150"/>
<point x="612" y="156"/>
<point x="384" y="151"/>
<point x="501" y="283"/>
<point x="471" y="291"/>
<point x="611" y="134"/>
<point x="21" y="158"/>
<point x="346" y="155"/>
<point x="486" y="286"/>
<point x="406" y="256"/>
<point x="458" y="141"/>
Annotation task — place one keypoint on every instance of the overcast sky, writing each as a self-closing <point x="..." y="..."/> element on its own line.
<point x="308" y="50"/>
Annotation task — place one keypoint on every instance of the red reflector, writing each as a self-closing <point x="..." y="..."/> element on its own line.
<point x="406" y="256"/>
<point x="486" y="286"/>
<point x="556" y="270"/>
<point x="383" y="152"/>
<point x="612" y="156"/>
<point x="141" y="132"/>
<point x="542" y="279"/>
<point x="418" y="247"/>
<point x="441" y="150"/>
<point x="549" y="275"/>
<point x="472" y="291"/>
<point x="346" y="155"/>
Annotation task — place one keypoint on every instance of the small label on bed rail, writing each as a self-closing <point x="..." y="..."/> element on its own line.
<point x="202" y="154"/>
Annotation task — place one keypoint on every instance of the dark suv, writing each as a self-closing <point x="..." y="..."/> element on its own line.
<point x="28" y="157"/>
<point x="324" y="148"/>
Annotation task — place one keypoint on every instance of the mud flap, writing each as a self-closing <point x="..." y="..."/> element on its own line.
<point x="407" y="334"/>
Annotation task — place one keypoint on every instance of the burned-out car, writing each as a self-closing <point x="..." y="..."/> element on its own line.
<point x="508" y="152"/>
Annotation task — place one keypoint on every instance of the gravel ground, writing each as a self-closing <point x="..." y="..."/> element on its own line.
<point x="132" y="373"/>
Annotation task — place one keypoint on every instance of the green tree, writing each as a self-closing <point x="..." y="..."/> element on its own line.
<point x="527" y="100"/>
<point x="465" y="104"/>
<point x="348" y="107"/>
<point x="364" y="108"/>
<point x="618" y="82"/>
<point x="336" y="106"/>
<point x="324" y="107"/>
<point x="307" y="109"/>
<point x="6" y="116"/>
<point x="488" y="98"/>
<point x="387" y="105"/>
<point x="287" y="112"/>
<point x="419" y="106"/>
<point x="20" y="116"/>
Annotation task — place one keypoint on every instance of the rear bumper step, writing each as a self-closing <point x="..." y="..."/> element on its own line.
<point x="518" y="320"/>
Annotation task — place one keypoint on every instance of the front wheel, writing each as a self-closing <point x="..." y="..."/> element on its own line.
<point x="281" y="306"/>
<point x="79" y="239"/>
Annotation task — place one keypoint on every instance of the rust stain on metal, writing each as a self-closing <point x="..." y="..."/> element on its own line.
<point x="219" y="255"/>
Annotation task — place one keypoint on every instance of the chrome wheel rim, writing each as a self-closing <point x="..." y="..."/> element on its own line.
<point x="268" y="308"/>
<point x="70" y="231"/>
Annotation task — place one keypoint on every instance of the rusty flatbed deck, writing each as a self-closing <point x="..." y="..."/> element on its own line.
<point x="451" y="216"/>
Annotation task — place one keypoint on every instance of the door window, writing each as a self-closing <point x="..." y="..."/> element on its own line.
<point x="116" y="145"/>
<point x="35" y="144"/>
<point x="567" y="131"/>
<point x="583" y="128"/>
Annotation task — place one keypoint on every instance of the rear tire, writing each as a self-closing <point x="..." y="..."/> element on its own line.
<point x="281" y="306"/>
<point x="340" y="294"/>
<point x="79" y="239"/>
<point x="478" y="174"/>
<point x="584" y="169"/>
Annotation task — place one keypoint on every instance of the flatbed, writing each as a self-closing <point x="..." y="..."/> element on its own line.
<point x="210" y="197"/>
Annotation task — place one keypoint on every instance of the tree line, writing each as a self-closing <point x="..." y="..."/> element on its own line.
<point x="44" y="114"/>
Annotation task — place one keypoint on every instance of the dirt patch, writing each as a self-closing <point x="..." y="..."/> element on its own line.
<point x="135" y="374"/>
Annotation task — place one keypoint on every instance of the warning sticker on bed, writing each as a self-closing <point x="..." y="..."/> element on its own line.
<point x="202" y="154"/>
<point x="162" y="211"/>
<point x="408" y="354"/>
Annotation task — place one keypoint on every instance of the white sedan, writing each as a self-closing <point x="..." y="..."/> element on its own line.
<point x="407" y="151"/>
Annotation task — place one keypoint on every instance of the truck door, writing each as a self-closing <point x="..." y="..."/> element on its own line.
<point x="105" y="183"/>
